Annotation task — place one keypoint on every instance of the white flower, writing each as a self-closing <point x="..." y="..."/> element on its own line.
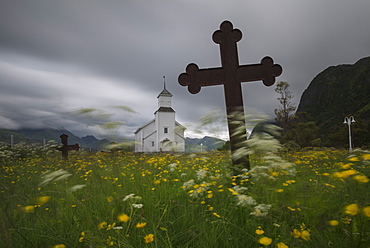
<point x="137" y="205"/>
<point x="188" y="184"/>
<point x="245" y="200"/>
<point x="261" y="210"/>
<point x="201" y="173"/>
<point x="128" y="197"/>
<point x="172" y="166"/>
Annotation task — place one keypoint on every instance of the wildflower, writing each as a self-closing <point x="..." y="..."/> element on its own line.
<point x="109" y="198"/>
<point x="265" y="241"/>
<point x="29" y="209"/>
<point x="42" y="200"/>
<point x="305" y="235"/>
<point x="351" y="209"/>
<point x="111" y="226"/>
<point x="348" y="173"/>
<point x="217" y="215"/>
<point x="353" y="159"/>
<point x="123" y="217"/>
<point x="366" y="156"/>
<point x="137" y="205"/>
<point x="102" y="225"/>
<point x="140" y="225"/>
<point x="361" y="178"/>
<point x="109" y="241"/>
<point x="281" y="245"/>
<point x="333" y="222"/>
<point x="149" y="238"/>
<point x="60" y="246"/>
<point x="81" y="239"/>
<point x="128" y="197"/>
<point x="366" y="211"/>
<point x="296" y="233"/>
<point x="244" y="200"/>
<point x="260" y="231"/>
<point x="261" y="210"/>
<point x="279" y="190"/>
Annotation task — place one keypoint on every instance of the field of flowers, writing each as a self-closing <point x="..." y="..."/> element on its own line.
<point x="297" y="199"/>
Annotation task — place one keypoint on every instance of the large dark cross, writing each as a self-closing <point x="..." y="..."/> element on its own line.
<point x="65" y="148"/>
<point x="231" y="74"/>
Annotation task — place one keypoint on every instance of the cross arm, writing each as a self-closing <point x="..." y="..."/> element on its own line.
<point x="195" y="78"/>
<point x="265" y="71"/>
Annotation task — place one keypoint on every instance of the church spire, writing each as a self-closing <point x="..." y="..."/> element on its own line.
<point x="164" y="92"/>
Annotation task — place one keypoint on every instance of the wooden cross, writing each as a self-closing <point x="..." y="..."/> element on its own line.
<point x="65" y="148"/>
<point x="231" y="75"/>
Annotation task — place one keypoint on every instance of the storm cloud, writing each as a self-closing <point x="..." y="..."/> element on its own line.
<point x="60" y="56"/>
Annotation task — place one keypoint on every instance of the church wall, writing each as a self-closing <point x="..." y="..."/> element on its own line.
<point x="165" y="120"/>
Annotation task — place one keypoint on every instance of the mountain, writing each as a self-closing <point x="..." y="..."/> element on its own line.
<point x="95" y="143"/>
<point x="338" y="92"/>
<point x="204" y="144"/>
<point x="36" y="136"/>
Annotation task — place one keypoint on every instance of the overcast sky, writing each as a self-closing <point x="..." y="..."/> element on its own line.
<point x="59" y="56"/>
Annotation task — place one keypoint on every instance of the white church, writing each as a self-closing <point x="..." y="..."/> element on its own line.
<point x="163" y="133"/>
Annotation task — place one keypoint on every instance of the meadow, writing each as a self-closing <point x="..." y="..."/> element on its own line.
<point x="312" y="198"/>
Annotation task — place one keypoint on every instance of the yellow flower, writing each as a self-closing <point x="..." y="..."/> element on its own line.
<point x="282" y="245"/>
<point x="351" y="209"/>
<point x="29" y="209"/>
<point x="361" y="178"/>
<point x="296" y="233"/>
<point x="60" y="246"/>
<point x="305" y="235"/>
<point x="279" y="190"/>
<point x="366" y="156"/>
<point x="149" y="238"/>
<point x="353" y="159"/>
<point x="260" y="232"/>
<point x="348" y="173"/>
<point x="123" y="217"/>
<point x="42" y="200"/>
<point x="265" y="241"/>
<point x="333" y="222"/>
<point x="140" y="225"/>
<point x="110" y="198"/>
<point x="102" y="225"/>
<point x="366" y="211"/>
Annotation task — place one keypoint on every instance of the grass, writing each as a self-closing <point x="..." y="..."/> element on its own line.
<point x="189" y="200"/>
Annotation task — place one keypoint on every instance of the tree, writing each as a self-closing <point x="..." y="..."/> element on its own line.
<point x="285" y="112"/>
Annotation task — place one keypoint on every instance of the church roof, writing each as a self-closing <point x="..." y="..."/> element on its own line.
<point x="164" y="92"/>
<point x="165" y="109"/>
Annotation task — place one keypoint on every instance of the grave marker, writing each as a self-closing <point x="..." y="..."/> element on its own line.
<point x="65" y="148"/>
<point x="231" y="75"/>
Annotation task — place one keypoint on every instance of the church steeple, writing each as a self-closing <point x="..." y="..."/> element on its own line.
<point x="164" y="92"/>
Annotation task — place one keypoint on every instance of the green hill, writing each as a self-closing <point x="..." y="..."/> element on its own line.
<point x="337" y="92"/>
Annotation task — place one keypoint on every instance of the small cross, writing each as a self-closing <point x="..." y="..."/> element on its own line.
<point x="231" y="75"/>
<point x="65" y="148"/>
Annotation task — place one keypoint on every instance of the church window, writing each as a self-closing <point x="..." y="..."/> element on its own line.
<point x="153" y="143"/>
<point x="165" y="130"/>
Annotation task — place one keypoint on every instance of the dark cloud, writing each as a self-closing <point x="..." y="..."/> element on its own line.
<point x="59" y="56"/>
